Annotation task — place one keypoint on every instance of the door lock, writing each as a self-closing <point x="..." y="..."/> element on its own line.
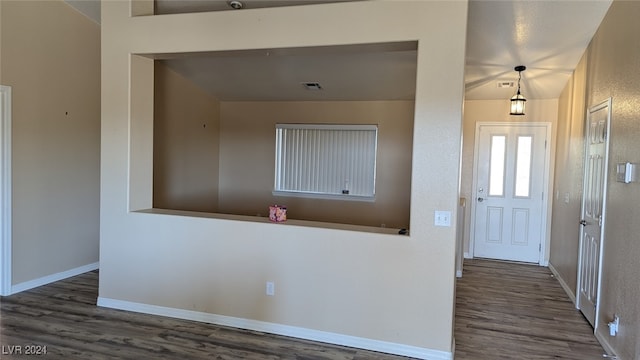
<point x="583" y="222"/>
<point x="480" y="199"/>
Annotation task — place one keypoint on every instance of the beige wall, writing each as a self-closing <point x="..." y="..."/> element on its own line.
<point x="565" y="233"/>
<point x="247" y="157"/>
<point x="613" y="71"/>
<point x="51" y="59"/>
<point x="394" y="291"/>
<point x="497" y="111"/>
<point x="185" y="141"/>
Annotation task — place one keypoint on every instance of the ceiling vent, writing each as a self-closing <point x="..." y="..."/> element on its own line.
<point x="506" y="84"/>
<point x="312" y="86"/>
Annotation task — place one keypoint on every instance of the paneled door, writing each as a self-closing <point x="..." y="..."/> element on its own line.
<point x="593" y="206"/>
<point x="510" y="175"/>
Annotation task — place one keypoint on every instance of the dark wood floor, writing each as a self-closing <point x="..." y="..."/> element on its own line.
<point x="518" y="311"/>
<point x="504" y="311"/>
<point x="63" y="316"/>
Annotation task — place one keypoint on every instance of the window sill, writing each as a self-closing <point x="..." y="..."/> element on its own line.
<point x="308" y="195"/>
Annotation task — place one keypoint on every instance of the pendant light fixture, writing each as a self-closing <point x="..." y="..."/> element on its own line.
<point x="518" y="101"/>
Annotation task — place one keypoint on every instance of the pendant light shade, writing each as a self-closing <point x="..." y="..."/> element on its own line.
<point x="518" y="101"/>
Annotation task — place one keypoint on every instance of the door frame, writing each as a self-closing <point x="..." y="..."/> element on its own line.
<point x="5" y="190"/>
<point x="544" y="242"/>
<point x="597" y="107"/>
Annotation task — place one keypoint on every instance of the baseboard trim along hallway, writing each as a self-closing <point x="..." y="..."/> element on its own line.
<point x="564" y="285"/>
<point x="279" y="329"/>
<point x="28" y="285"/>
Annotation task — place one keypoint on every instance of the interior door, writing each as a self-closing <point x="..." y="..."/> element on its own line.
<point x="593" y="205"/>
<point x="509" y="184"/>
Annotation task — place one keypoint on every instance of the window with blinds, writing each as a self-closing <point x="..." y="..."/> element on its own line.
<point x="326" y="161"/>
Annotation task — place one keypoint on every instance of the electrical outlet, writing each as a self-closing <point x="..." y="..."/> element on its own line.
<point x="271" y="288"/>
<point x="442" y="218"/>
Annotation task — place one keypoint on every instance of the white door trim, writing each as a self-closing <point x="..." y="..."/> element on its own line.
<point x="543" y="260"/>
<point x="602" y="105"/>
<point x="5" y="189"/>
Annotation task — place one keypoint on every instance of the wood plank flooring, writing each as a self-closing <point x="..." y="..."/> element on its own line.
<point x="63" y="316"/>
<point x="518" y="311"/>
<point x="504" y="311"/>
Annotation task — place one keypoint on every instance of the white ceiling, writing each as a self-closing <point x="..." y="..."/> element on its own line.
<point x="548" y="37"/>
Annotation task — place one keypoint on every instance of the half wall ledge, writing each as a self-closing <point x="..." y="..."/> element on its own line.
<point x="289" y="222"/>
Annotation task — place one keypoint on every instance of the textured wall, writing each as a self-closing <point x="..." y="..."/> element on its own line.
<point x="53" y="67"/>
<point x="609" y="68"/>
<point x="389" y="288"/>
<point x="613" y="70"/>
<point x="565" y="233"/>
<point x="186" y="135"/>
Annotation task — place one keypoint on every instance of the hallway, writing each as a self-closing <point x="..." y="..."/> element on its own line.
<point x="518" y="311"/>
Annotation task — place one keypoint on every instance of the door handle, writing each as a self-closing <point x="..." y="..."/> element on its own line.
<point x="480" y="199"/>
<point x="583" y="222"/>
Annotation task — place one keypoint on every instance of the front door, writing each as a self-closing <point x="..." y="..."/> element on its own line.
<point x="511" y="170"/>
<point x="593" y="204"/>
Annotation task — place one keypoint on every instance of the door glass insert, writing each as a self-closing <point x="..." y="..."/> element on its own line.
<point x="523" y="166"/>
<point x="496" y="165"/>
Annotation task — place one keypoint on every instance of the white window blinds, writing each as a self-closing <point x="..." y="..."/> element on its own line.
<point x="334" y="160"/>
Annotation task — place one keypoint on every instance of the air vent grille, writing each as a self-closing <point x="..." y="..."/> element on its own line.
<point x="506" y="84"/>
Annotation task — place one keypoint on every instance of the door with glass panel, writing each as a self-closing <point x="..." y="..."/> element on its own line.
<point x="510" y="174"/>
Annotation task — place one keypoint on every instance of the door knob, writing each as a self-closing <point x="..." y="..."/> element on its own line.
<point x="480" y="199"/>
<point x="583" y="222"/>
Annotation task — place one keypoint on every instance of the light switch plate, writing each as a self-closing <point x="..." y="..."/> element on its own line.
<point x="626" y="172"/>
<point x="442" y="218"/>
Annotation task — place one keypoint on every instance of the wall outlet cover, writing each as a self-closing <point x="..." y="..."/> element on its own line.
<point x="270" y="288"/>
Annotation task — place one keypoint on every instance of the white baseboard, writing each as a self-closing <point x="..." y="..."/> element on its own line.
<point x="602" y="340"/>
<point x="544" y="263"/>
<point x="27" y="285"/>
<point x="279" y="329"/>
<point x="564" y="285"/>
<point x="605" y="345"/>
<point x="459" y="273"/>
<point x="453" y="345"/>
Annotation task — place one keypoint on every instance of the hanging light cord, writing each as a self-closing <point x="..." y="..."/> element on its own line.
<point x="519" y="69"/>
